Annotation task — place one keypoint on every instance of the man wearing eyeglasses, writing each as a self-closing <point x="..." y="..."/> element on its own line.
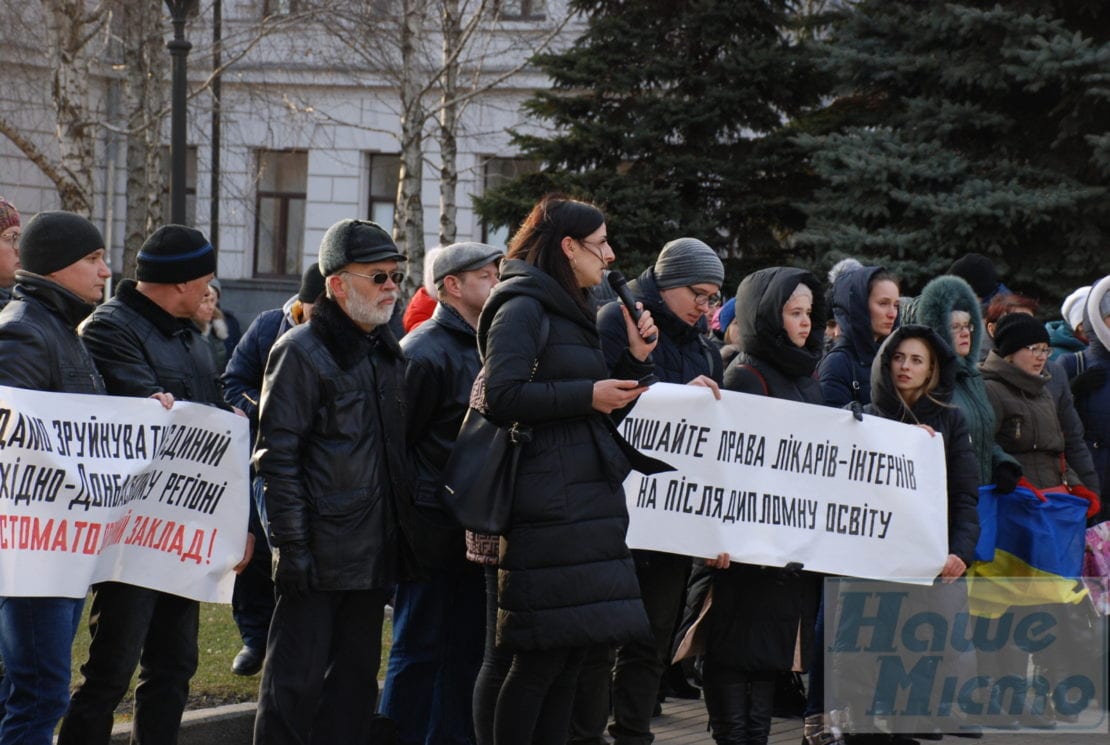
<point x="337" y="481"/>
<point x="680" y="290"/>
<point x="9" y="249"/>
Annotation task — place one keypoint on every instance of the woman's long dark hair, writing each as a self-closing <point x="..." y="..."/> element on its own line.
<point x="539" y="239"/>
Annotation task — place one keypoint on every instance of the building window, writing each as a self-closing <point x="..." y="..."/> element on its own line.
<point x="282" y="179"/>
<point x="385" y="169"/>
<point x="521" y="10"/>
<point x="495" y="173"/>
<point x="190" y="185"/>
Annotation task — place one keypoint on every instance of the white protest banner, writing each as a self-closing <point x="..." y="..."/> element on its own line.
<point x="96" y="488"/>
<point x="771" y="482"/>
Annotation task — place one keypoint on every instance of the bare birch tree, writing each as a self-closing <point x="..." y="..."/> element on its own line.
<point x="70" y="43"/>
<point x="145" y="60"/>
<point x="439" y="55"/>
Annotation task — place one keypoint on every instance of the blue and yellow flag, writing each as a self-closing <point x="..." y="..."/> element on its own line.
<point x="1030" y="550"/>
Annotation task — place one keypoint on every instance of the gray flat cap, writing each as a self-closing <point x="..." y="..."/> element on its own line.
<point x="463" y="257"/>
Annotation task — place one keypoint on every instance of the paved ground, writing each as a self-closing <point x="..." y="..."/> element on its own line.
<point x="682" y="723"/>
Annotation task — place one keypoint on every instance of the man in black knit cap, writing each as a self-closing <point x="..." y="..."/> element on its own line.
<point x="62" y="277"/>
<point x="145" y="345"/>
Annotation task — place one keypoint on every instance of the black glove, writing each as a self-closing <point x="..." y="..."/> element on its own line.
<point x="1006" y="475"/>
<point x="1088" y="382"/>
<point x="293" y="572"/>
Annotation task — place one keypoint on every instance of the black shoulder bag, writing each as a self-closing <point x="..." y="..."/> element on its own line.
<point x="480" y="474"/>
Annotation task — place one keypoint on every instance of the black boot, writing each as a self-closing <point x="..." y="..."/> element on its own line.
<point x="727" y="706"/>
<point x="761" y="701"/>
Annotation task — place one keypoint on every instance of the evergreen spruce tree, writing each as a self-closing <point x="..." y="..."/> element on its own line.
<point x="665" y="112"/>
<point x="973" y="126"/>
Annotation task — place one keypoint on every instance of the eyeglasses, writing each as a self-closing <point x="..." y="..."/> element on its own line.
<point x="379" y="278"/>
<point x="960" y="327"/>
<point x="12" y="238"/>
<point x="1038" y="351"/>
<point x="704" y="298"/>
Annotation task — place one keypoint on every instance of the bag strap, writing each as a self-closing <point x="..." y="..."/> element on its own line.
<point x="545" y="332"/>
<point x="517" y="433"/>
<point x="1080" y="361"/>
<point x="758" y="374"/>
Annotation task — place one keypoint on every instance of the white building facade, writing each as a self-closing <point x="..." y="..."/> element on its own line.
<point x="305" y="140"/>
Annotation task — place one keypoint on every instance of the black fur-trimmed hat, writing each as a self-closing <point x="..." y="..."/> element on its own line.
<point x="355" y="242"/>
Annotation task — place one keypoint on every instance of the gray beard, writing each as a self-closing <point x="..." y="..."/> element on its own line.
<point x="364" y="312"/>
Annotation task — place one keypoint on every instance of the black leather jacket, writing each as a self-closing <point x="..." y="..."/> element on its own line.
<point x="442" y="364"/>
<point x="39" y="346"/>
<point x="331" y="450"/>
<point x="140" y="349"/>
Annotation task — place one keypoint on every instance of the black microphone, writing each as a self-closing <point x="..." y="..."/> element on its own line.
<point x="620" y="286"/>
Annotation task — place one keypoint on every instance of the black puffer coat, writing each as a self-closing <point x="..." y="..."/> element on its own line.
<point x="442" y="364"/>
<point x="936" y="411"/>
<point x="331" y="450"/>
<point x="39" y="346"/>
<point x="140" y="349"/>
<point x="759" y="613"/>
<point x="566" y="575"/>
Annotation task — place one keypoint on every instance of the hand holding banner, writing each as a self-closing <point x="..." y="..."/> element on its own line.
<point x="771" y="482"/>
<point x="96" y="488"/>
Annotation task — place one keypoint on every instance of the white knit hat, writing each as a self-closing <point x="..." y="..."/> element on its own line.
<point x="1072" y="309"/>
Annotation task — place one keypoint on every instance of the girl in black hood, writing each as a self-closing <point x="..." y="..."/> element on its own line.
<point x="748" y="644"/>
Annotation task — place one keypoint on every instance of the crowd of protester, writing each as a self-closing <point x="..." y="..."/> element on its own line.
<point x="555" y="632"/>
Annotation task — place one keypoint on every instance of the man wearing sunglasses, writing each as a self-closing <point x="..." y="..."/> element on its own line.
<point x="337" y="481"/>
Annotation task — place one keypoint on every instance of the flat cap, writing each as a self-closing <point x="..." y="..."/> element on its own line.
<point x="463" y="257"/>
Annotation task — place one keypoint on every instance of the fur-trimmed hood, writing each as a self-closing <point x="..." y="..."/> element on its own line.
<point x="1097" y="331"/>
<point x="347" y="343"/>
<point x="934" y="309"/>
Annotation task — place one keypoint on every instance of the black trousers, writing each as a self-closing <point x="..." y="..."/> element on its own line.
<point x="134" y="626"/>
<point x="495" y="666"/>
<point x="320" y="679"/>
<point x="536" y="699"/>
<point x="640" y="666"/>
